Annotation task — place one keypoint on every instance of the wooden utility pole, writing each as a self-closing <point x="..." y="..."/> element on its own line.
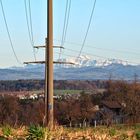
<point x="49" y="63"/>
<point x="45" y="92"/>
<point x="48" y="94"/>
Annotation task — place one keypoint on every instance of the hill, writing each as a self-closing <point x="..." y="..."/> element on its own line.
<point x="85" y="69"/>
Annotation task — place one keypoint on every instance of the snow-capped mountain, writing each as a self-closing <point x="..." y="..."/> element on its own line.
<point x="86" y="61"/>
<point x="85" y="68"/>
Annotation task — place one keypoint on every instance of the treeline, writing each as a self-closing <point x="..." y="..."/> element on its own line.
<point x="74" y="110"/>
<point x="29" y="85"/>
<point x="17" y="112"/>
<point x="128" y="94"/>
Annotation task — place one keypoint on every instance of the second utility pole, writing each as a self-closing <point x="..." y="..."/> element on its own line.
<point x="49" y="65"/>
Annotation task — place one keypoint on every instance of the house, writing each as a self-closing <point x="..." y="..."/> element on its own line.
<point x="110" y="112"/>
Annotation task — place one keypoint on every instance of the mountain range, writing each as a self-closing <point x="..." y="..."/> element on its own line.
<point x="85" y="68"/>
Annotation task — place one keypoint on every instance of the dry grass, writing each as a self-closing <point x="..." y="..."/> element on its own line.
<point x="60" y="133"/>
<point x="100" y="133"/>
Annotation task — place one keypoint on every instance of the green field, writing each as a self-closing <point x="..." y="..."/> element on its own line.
<point x="56" y="92"/>
<point x="70" y="91"/>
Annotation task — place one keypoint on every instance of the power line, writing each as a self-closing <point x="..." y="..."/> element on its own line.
<point x="75" y="57"/>
<point x="30" y="15"/>
<point x="66" y="23"/>
<point x="91" y="16"/>
<point x="27" y="22"/>
<point x="99" y="48"/>
<point x="110" y="69"/>
<point x="94" y="55"/>
<point x="8" y="32"/>
<point x="29" y="25"/>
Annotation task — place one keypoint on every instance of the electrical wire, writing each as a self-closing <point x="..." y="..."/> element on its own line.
<point x="93" y="55"/>
<point x="99" y="48"/>
<point x="66" y="23"/>
<point x="29" y="26"/>
<point x="63" y="32"/>
<point x="9" y="35"/>
<point x="87" y="31"/>
<point x="98" y="56"/>
<point x="109" y="70"/>
<point x="30" y="15"/>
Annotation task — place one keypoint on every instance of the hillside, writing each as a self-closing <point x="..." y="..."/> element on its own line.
<point x="84" y="69"/>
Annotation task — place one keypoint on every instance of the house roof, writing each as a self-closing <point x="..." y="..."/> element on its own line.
<point x="112" y="104"/>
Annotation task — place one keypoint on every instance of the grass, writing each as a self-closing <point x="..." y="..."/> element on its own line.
<point x="70" y="91"/>
<point x="60" y="133"/>
<point x="65" y="92"/>
<point x="62" y="92"/>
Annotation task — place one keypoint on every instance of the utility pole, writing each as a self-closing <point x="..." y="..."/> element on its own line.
<point x="48" y="94"/>
<point x="45" y="92"/>
<point x="49" y="61"/>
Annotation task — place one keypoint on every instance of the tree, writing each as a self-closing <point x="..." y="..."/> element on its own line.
<point x="86" y="108"/>
<point x="9" y="110"/>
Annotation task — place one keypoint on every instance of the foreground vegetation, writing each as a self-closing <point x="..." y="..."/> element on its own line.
<point x="75" y="110"/>
<point x="119" y="132"/>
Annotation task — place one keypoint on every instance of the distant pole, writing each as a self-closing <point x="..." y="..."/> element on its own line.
<point x="45" y="93"/>
<point x="49" y="61"/>
<point x="95" y="123"/>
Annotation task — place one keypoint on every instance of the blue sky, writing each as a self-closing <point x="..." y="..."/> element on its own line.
<point x="114" y="32"/>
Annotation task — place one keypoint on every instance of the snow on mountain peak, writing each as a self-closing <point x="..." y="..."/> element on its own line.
<point x="86" y="61"/>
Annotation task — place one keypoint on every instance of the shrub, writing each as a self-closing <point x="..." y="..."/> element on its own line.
<point x="137" y="126"/>
<point x="2" y="138"/>
<point x="35" y="133"/>
<point x="7" y="131"/>
<point x="137" y="135"/>
<point x="123" y="137"/>
<point x="112" y="132"/>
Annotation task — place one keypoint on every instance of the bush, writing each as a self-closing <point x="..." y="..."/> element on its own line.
<point x="35" y="133"/>
<point x="6" y="131"/>
<point x="138" y="135"/>
<point x="123" y="137"/>
<point x="112" y="132"/>
<point x="2" y="138"/>
<point x="137" y="126"/>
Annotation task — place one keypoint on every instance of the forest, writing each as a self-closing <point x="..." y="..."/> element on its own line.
<point x="71" y="110"/>
<point x="29" y="85"/>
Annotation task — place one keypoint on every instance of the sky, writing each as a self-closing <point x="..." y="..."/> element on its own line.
<point x="114" y="32"/>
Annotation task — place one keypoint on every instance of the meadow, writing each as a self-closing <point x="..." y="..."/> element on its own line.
<point x="119" y="132"/>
